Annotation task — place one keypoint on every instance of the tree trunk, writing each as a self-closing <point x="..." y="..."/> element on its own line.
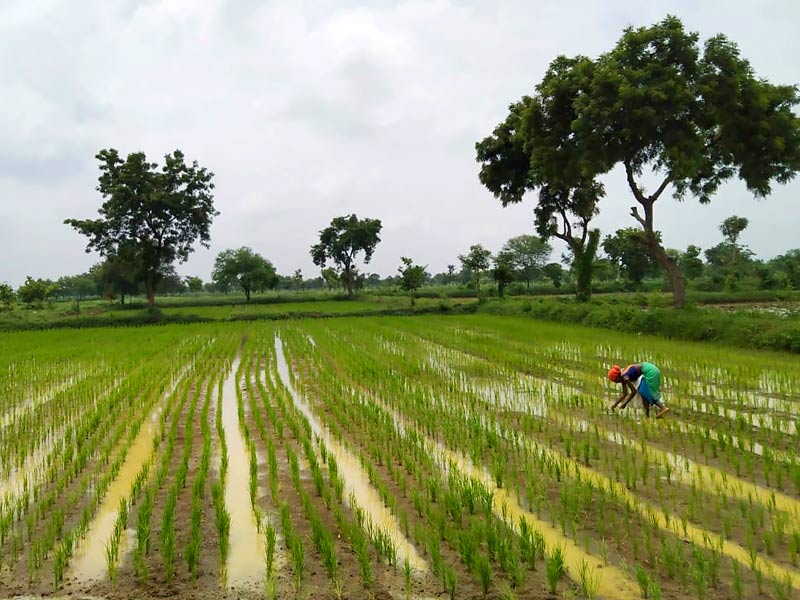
<point x="674" y="274"/>
<point x="247" y="293"/>
<point x="583" y="261"/>
<point x="676" y="280"/>
<point x="150" y="287"/>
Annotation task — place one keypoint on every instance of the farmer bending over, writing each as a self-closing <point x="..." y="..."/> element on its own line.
<point x="640" y="378"/>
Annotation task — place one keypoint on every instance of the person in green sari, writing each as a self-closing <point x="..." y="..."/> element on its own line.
<point x="643" y="379"/>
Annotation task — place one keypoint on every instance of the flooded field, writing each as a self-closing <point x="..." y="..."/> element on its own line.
<point x="434" y="457"/>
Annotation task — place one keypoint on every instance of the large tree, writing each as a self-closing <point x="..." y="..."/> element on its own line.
<point x="661" y="107"/>
<point x="342" y="241"/>
<point x="526" y="254"/>
<point x="533" y="150"/>
<point x="245" y="269"/>
<point x="155" y="214"/>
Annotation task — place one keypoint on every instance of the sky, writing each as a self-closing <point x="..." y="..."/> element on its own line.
<point x="310" y="109"/>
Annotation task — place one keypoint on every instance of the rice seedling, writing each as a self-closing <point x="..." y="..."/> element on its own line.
<point x="555" y="568"/>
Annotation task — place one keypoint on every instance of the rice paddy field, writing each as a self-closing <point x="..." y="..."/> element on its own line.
<point x="392" y="457"/>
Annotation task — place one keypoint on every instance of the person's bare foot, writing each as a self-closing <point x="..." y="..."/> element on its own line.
<point x="662" y="412"/>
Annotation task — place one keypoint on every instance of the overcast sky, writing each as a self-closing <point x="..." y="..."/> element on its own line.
<point x="310" y="109"/>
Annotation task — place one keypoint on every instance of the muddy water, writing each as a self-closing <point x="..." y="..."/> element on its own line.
<point x="613" y="583"/>
<point x="89" y="561"/>
<point x="356" y="480"/>
<point x="685" y="468"/>
<point x="246" y="557"/>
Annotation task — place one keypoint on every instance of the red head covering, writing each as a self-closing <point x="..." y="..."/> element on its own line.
<point x="614" y="373"/>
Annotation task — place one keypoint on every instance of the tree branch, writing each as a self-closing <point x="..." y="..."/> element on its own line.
<point x="660" y="189"/>
<point x="635" y="215"/>
<point x="637" y="193"/>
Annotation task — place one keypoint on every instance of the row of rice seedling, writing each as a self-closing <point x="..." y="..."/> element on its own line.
<point x="443" y="508"/>
<point x="370" y="352"/>
<point x="74" y="492"/>
<point x="778" y="470"/>
<point x="326" y="502"/>
<point x="47" y="517"/>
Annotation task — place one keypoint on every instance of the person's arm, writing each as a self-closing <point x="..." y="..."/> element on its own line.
<point x="630" y="389"/>
<point x="622" y="397"/>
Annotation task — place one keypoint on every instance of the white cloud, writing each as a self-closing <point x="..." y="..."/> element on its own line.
<point x="308" y="110"/>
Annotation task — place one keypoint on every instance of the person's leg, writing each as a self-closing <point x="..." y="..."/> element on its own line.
<point x="662" y="409"/>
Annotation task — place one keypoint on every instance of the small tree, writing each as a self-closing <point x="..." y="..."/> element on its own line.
<point x="154" y="215"/>
<point x="245" y="269"/>
<point x="77" y="287"/>
<point x="411" y="277"/>
<point x="690" y="263"/>
<point x="7" y="297"/>
<point x="297" y="280"/>
<point x="451" y="273"/>
<point x="555" y="272"/>
<point x="526" y="254"/>
<point x="503" y="272"/>
<point x="731" y="229"/>
<point x="629" y="250"/>
<point x="195" y="284"/>
<point x="342" y="241"/>
<point x="35" y="291"/>
<point x="477" y="261"/>
<point x="331" y="278"/>
<point x="789" y="264"/>
<point x="119" y="275"/>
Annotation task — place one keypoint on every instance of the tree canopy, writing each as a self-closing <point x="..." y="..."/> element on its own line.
<point x="658" y="106"/>
<point x="476" y="261"/>
<point x="411" y="277"/>
<point x="342" y="241"/>
<point x="245" y="269"/>
<point x="156" y="215"/>
<point x="526" y="255"/>
<point x="628" y="249"/>
<point x="534" y="149"/>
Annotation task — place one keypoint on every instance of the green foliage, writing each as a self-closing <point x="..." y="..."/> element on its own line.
<point x="411" y="277"/>
<point x="629" y="251"/>
<point x="526" y="255"/>
<point x="656" y="103"/>
<point x="477" y="261"/>
<point x="195" y="284"/>
<point x="555" y="272"/>
<point x="150" y="216"/>
<point x="342" y="241"/>
<point x="690" y="263"/>
<point x="35" y="291"/>
<point x="503" y="272"/>
<point x="7" y="297"/>
<point x="119" y="275"/>
<point x="245" y="269"/>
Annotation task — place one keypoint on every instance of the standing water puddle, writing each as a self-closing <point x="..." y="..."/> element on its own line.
<point x="90" y="559"/>
<point x="355" y="479"/>
<point x="612" y="582"/>
<point x="246" y="556"/>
